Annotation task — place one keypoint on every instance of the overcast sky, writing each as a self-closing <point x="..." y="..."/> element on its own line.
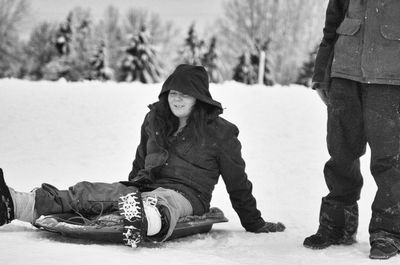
<point x="182" y="12"/>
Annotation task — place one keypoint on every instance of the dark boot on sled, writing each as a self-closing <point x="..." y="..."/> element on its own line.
<point x="142" y="219"/>
<point x="338" y="226"/>
<point x="135" y="225"/>
<point x="6" y="203"/>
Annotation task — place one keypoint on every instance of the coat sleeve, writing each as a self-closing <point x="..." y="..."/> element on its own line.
<point x="232" y="169"/>
<point x="141" y="152"/>
<point x="335" y="14"/>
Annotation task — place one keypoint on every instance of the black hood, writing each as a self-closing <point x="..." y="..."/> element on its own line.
<point x="193" y="81"/>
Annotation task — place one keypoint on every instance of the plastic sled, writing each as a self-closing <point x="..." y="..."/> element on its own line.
<point x="108" y="228"/>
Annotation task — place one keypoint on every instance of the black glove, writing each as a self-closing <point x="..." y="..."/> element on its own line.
<point x="271" y="227"/>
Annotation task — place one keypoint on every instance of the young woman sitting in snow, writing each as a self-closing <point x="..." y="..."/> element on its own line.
<point x="185" y="146"/>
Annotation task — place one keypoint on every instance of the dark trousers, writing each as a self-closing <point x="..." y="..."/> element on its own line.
<point x="87" y="198"/>
<point x="359" y="114"/>
<point x="94" y="198"/>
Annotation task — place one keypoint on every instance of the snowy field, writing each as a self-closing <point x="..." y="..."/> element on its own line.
<point x="62" y="133"/>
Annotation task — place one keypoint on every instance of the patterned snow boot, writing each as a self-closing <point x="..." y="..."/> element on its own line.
<point x="6" y="203"/>
<point x="338" y="226"/>
<point x="131" y="208"/>
<point x="142" y="218"/>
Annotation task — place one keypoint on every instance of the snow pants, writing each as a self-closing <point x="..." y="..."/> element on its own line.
<point x="89" y="198"/>
<point x="361" y="114"/>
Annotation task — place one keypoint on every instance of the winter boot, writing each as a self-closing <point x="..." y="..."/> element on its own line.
<point x="384" y="248"/>
<point x="338" y="226"/>
<point x="6" y="202"/>
<point x="135" y="226"/>
<point x="142" y="218"/>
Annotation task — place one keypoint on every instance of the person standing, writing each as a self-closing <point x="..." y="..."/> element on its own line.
<point x="357" y="74"/>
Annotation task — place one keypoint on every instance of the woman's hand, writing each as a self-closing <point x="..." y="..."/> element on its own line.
<point x="271" y="227"/>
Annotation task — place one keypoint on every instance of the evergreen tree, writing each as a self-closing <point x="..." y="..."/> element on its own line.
<point x="244" y="71"/>
<point x="247" y="69"/>
<point x="76" y="50"/>
<point x="81" y="44"/>
<point x="210" y="61"/>
<point x="98" y="70"/>
<point x="193" y="48"/>
<point x="162" y="36"/>
<point x="63" y="36"/>
<point x="141" y="62"/>
<point x="307" y="70"/>
<point x="108" y="31"/>
<point x="40" y="50"/>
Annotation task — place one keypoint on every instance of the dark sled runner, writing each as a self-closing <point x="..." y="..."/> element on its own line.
<point x="108" y="228"/>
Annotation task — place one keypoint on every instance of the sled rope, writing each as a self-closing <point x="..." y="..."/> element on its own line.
<point x="92" y="221"/>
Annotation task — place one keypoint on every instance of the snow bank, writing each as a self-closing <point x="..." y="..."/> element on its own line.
<point x="62" y="133"/>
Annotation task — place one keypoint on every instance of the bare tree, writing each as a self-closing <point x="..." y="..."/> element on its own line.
<point x="293" y="27"/>
<point x="12" y="13"/>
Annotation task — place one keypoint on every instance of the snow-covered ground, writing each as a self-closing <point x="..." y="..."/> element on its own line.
<point x="62" y="133"/>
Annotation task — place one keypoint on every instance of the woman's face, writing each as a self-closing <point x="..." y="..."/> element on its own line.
<point x="180" y="104"/>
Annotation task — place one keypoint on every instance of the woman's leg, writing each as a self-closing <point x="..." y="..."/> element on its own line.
<point x="87" y="198"/>
<point x="172" y="205"/>
<point x="84" y="198"/>
<point x="24" y="205"/>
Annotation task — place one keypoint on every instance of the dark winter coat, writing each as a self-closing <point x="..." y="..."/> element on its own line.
<point x="363" y="37"/>
<point x="193" y="167"/>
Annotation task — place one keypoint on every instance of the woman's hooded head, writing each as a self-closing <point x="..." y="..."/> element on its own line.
<point x="193" y="81"/>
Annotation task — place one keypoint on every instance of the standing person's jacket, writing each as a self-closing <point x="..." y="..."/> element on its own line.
<point x="363" y="39"/>
<point x="193" y="166"/>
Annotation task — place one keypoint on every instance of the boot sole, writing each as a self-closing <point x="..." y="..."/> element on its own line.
<point x="378" y="254"/>
<point x="317" y="247"/>
<point x="382" y="256"/>
<point x="323" y="246"/>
